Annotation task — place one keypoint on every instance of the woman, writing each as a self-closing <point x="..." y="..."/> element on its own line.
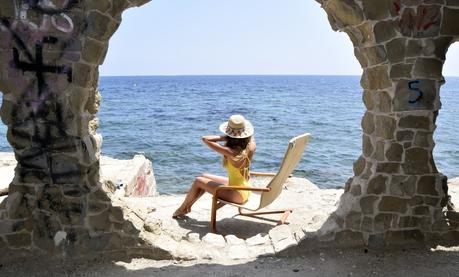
<point x="238" y="149"/>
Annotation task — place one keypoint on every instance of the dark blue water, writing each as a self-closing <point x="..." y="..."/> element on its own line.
<point x="165" y="117"/>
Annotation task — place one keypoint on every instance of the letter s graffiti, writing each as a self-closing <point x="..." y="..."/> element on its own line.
<point x="413" y="87"/>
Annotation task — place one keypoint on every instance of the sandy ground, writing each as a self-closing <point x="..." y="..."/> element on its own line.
<point x="440" y="262"/>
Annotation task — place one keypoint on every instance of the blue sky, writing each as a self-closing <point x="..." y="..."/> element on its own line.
<point x="193" y="37"/>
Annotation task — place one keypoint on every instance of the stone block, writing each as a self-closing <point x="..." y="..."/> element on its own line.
<point x="450" y="22"/>
<point x="424" y="21"/>
<point x="384" y="101"/>
<point x="368" y="203"/>
<point x="359" y="166"/>
<point x="375" y="54"/>
<point x="83" y="75"/>
<point x="416" y="95"/>
<point x="423" y="139"/>
<point x="403" y="186"/>
<point x="416" y="161"/>
<point x="118" y="6"/>
<point x="427" y="185"/>
<point x="396" y="50"/>
<point x="384" y="221"/>
<point x="416" y="200"/>
<point x="100" y="26"/>
<point x="431" y="201"/>
<point x="186" y="251"/>
<point x="377" y="185"/>
<point x="404" y="135"/>
<point x="368" y="125"/>
<point x="94" y="51"/>
<point x="344" y="12"/>
<point x="367" y="225"/>
<point x="360" y="57"/>
<point x="441" y="46"/>
<point x="233" y="240"/>
<point x="393" y="204"/>
<point x="385" y="126"/>
<point x="394" y="152"/>
<point x="353" y="220"/>
<point x="428" y="68"/>
<point x="367" y="146"/>
<point x="367" y="98"/>
<point x="401" y="70"/>
<point x="101" y="6"/>
<point x="415" y="122"/>
<point x="414" y="48"/>
<point x="390" y="168"/>
<point x="214" y="240"/>
<point x="384" y="31"/>
<point x="379" y="9"/>
<point x="376" y="78"/>
<point x="421" y="210"/>
<point x="282" y="238"/>
<point x="259" y="239"/>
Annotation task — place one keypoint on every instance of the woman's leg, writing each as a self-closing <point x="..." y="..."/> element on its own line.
<point x="216" y="178"/>
<point x="199" y="187"/>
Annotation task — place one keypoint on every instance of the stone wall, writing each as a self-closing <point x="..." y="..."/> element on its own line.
<point x="397" y="194"/>
<point x="49" y="57"/>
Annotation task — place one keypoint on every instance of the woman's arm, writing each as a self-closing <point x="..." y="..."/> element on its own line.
<point x="211" y="141"/>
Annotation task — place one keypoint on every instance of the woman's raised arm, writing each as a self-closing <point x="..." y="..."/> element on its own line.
<point x="211" y="141"/>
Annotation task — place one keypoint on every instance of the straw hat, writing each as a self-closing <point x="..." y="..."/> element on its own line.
<point x="237" y="127"/>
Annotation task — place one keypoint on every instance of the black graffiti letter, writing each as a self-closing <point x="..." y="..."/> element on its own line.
<point x="412" y="87"/>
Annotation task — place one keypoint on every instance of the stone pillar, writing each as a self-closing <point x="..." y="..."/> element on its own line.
<point x="397" y="194"/>
<point x="49" y="57"/>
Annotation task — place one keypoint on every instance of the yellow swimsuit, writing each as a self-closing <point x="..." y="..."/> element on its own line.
<point x="239" y="177"/>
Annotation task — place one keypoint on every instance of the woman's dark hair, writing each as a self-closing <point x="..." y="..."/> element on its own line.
<point x="237" y="144"/>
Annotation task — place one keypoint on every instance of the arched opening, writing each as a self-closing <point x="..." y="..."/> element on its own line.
<point x="446" y="144"/>
<point x="222" y="56"/>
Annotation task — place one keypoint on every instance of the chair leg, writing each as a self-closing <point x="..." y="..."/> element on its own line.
<point x="285" y="213"/>
<point x="213" y="215"/>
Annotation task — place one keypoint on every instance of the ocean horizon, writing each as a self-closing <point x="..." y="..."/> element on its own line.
<point x="163" y="117"/>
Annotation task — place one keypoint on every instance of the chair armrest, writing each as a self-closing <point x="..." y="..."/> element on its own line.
<point x="241" y="188"/>
<point x="255" y="173"/>
<point x="260" y="174"/>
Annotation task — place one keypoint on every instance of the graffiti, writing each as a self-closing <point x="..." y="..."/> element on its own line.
<point x="397" y="7"/>
<point x="420" y="22"/>
<point x="414" y="88"/>
<point x="46" y="7"/>
<point x="38" y="67"/>
<point x="141" y="188"/>
<point x="52" y="15"/>
<point x="426" y="21"/>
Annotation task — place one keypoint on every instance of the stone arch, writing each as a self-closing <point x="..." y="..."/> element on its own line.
<point x="49" y="57"/>
<point x="397" y="194"/>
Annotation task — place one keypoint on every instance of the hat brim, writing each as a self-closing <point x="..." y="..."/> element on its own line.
<point x="248" y="130"/>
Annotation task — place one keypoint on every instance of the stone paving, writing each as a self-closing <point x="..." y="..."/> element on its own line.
<point x="240" y="237"/>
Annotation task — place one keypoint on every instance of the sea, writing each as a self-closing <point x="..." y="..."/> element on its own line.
<point x="164" y="118"/>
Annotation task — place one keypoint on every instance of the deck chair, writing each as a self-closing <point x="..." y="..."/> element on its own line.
<point x="262" y="196"/>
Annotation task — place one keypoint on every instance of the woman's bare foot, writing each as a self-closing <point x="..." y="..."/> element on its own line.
<point x="179" y="213"/>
